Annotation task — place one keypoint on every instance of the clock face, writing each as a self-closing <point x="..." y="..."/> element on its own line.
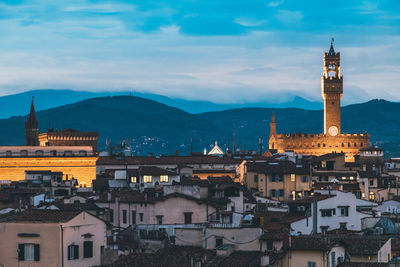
<point x="333" y="131"/>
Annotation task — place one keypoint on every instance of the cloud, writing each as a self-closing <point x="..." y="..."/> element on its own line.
<point x="289" y="17"/>
<point x="222" y="51"/>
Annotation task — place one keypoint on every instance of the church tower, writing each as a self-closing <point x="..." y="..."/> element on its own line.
<point x="32" y="128"/>
<point x="272" y="133"/>
<point x="332" y="91"/>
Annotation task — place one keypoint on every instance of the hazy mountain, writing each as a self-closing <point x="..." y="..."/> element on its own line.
<point x="19" y="104"/>
<point x="154" y="127"/>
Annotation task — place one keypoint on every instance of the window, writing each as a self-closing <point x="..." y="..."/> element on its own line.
<point x="371" y="182"/>
<point x="276" y="178"/>
<point x="219" y="241"/>
<point x="344" y="211"/>
<point x="293" y="178"/>
<point x="270" y="245"/>
<point x="281" y="192"/>
<point x="73" y="252"/>
<point x="304" y="179"/>
<point x="141" y="217"/>
<point x="111" y="216"/>
<point x="333" y="259"/>
<point x="28" y="252"/>
<point x="371" y="196"/>
<point x="159" y="219"/>
<point x="147" y="178"/>
<point x="133" y="179"/>
<point x="272" y="193"/>
<point x="188" y="217"/>
<point x="24" y="153"/>
<point x="134" y="217"/>
<point x="8" y="153"/>
<point x="164" y="178"/>
<point x="324" y="229"/>
<point x="87" y="249"/>
<point x="124" y="216"/>
<point x="343" y="225"/>
<point x="256" y="178"/>
<point x="311" y="264"/>
<point x="327" y="212"/>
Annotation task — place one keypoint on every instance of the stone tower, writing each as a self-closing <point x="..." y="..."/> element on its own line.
<point x="332" y="91"/>
<point x="272" y="132"/>
<point x="32" y="128"/>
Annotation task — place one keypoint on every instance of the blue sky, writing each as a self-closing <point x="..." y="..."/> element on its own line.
<point x="224" y="51"/>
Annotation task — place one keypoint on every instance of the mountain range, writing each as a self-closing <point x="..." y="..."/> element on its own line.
<point x="18" y="104"/>
<point x="150" y="126"/>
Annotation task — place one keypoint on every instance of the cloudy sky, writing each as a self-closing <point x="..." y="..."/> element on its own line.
<point x="228" y="51"/>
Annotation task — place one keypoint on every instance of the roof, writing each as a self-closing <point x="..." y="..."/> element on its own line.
<point x="355" y="244"/>
<point x="46" y="216"/>
<point x="150" y="170"/>
<point x="167" y="160"/>
<point x="274" y="166"/>
<point x="182" y="256"/>
<point x="326" y="157"/>
<point x="216" y="150"/>
<point x="363" y="264"/>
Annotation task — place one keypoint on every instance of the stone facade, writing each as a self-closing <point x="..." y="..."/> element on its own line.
<point x="332" y="140"/>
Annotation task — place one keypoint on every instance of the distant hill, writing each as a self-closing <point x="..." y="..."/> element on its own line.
<point x="154" y="127"/>
<point x="18" y="104"/>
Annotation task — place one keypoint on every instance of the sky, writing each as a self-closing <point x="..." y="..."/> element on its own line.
<point x="224" y="51"/>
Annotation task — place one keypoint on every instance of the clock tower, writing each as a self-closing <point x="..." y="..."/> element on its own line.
<point x="332" y="91"/>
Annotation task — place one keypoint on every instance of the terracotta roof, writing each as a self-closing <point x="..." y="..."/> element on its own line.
<point x="280" y="166"/>
<point x="182" y="256"/>
<point x="167" y="160"/>
<point x="363" y="264"/>
<point x="46" y="216"/>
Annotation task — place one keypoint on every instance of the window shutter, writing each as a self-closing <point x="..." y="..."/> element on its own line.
<point x="21" y="252"/>
<point x="87" y="249"/>
<point x="37" y="252"/>
<point x="69" y="252"/>
<point x="76" y="252"/>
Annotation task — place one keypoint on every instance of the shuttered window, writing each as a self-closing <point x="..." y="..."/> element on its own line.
<point x="28" y="252"/>
<point x="87" y="249"/>
<point x="73" y="252"/>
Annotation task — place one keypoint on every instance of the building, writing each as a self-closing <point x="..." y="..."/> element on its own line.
<point x="278" y="179"/>
<point x="332" y="140"/>
<point x="69" y="137"/>
<point x="52" y="238"/>
<point x="32" y="128"/>
<point x="73" y="161"/>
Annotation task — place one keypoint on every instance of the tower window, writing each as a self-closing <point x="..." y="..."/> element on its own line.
<point x="355" y="144"/>
<point x="319" y="145"/>
<point x="342" y="145"/>
<point x="333" y="103"/>
<point x="323" y="145"/>
<point x="348" y="144"/>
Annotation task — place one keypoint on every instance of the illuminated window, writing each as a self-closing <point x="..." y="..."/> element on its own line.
<point x="133" y="179"/>
<point x="147" y="178"/>
<point x="371" y="196"/>
<point x="164" y="178"/>
<point x="293" y="177"/>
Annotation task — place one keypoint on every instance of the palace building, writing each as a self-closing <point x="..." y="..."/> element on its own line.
<point x="332" y="140"/>
<point x="71" y="152"/>
<point x="67" y="137"/>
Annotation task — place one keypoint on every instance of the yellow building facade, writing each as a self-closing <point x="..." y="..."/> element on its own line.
<point x="73" y="162"/>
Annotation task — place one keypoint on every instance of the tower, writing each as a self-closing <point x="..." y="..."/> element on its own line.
<point x="332" y="91"/>
<point x="32" y="128"/>
<point x="272" y="132"/>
